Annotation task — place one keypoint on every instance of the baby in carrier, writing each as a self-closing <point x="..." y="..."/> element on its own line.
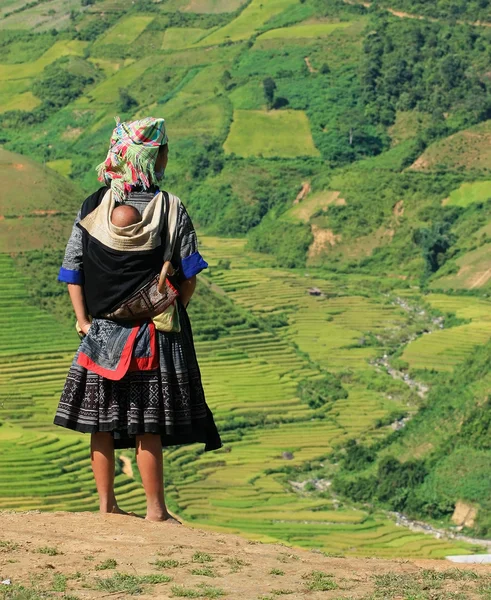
<point x="124" y="215"/>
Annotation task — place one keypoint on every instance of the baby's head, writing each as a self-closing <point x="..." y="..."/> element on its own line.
<point x="124" y="215"/>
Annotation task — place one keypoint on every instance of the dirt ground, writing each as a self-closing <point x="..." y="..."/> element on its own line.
<point x="87" y="555"/>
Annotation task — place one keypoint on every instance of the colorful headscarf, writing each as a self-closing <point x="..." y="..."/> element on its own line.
<point x="132" y="153"/>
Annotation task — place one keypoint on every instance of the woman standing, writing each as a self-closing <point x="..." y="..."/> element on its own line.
<point x="130" y="384"/>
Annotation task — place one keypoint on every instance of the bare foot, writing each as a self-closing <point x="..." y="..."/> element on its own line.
<point x="119" y="511"/>
<point x="166" y="517"/>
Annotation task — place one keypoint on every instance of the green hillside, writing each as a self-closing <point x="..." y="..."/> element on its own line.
<point x="319" y="145"/>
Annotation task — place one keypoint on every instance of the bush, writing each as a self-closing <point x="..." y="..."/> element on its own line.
<point x="288" y="242"/>
<point x="57" y="86"/>
<point x="318" y="392"/>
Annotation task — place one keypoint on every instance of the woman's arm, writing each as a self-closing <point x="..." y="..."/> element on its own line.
<point x="186" y="289"/>
<point x="76" y="293"/>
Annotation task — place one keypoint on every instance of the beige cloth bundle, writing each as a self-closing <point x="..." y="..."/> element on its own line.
<point x="144" y="235"/>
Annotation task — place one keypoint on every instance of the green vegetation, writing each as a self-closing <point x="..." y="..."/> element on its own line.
<point x="468" y="193"/>
<point x="129" y="584"/>
<point x="313" y="30"/>
<point x="343" y="155"/>
<point x="110" y="563"/>
<point x="251" y="19"/>
<point x="452" y="433"/>
<point x="276" y="133"/>
<point x="447" y="9"/>
<point x="126" y="30"/>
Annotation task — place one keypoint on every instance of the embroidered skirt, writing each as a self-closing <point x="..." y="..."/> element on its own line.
<point x="169" y="400"/>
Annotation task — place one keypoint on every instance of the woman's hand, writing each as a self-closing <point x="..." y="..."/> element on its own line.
<point x="186" y="289"/>
<point x="85" y="327"/>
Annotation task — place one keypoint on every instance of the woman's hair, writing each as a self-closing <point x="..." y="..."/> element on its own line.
<point x="132" y="154"/>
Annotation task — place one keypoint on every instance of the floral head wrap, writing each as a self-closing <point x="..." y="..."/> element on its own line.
<point x="132" y="153"/>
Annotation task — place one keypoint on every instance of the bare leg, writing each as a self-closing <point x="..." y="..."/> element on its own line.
<point x="151" y="466"/>
<point x="102" y="458"/>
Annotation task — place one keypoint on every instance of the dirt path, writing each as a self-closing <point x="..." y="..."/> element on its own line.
<point x="75" y="546"/>
<point x="309" y="65"/>
<point x="405" y="15"/>
<point x="482" y="279"/>
<point x="303" y="192"/>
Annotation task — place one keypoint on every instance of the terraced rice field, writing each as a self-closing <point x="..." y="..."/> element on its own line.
<point x="251" y="19"/>
<point x="469" y="193"/>
<point x="25" y="70"/>
<point x="269" y="133"/>
<point x="310" y="30"/>
<point x="474" y="271"/>
<point x="45" y="466"/>
<point x="442" y="350"/>
<point x="40" y="17"/>
<point x="62" y="166"/>
<point x="202" y="6"/>
<point x="24" y="101"/>
<point x="177" y="38"/>
<point x="249" y="373"/>
<point x="126" y="30"/>
<point x="107" y="91"/>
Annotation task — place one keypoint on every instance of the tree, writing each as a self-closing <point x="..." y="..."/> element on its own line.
<point x="434" y="242"/>
<point x="226" y="80"/>
<point x="127" y="102"/>
<point x="269" y="87"/>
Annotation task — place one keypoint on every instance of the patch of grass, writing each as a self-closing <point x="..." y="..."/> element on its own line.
<point x="423" y="585"/>
<point x="154" y="579"/>
<point x="236" y="564"/>
<point x="287" y="557"/>
<point x="129" y="584"/>
<point x="202" y="557"/>
<point x="49" y="550"/>
<point x="318" y="581"/>
<point x="332" y="554"/>
<point x="59" y="582"/>
<point x="21" y="592"/>
<point x="276" y="572"/>
<point x="8" y="546"/>
<point x="167" y="563"/>
<point x="110" y="563"/>
<point x="452" y="574"/>
<point x="206" y="571"/>
<point x="120" y="582"/>
<point x="200" y="591"/>
<point x="282" y="592"/>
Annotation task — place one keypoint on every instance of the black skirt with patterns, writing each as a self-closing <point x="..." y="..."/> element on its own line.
<point x="169" y="400"/>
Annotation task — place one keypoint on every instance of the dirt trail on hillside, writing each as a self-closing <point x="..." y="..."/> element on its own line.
<point x="309" y="65"/>
<point x="79" y="542"/>
<point x="405" y="15"/>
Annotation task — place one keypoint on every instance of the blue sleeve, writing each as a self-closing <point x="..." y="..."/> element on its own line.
<point x="72" y="270"/>
<point x="186" y="257"/>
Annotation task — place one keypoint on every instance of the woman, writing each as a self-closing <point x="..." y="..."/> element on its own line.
<point x="131" y="385"/>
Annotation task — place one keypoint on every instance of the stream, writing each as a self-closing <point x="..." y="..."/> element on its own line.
<point x="437" y="323"/>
